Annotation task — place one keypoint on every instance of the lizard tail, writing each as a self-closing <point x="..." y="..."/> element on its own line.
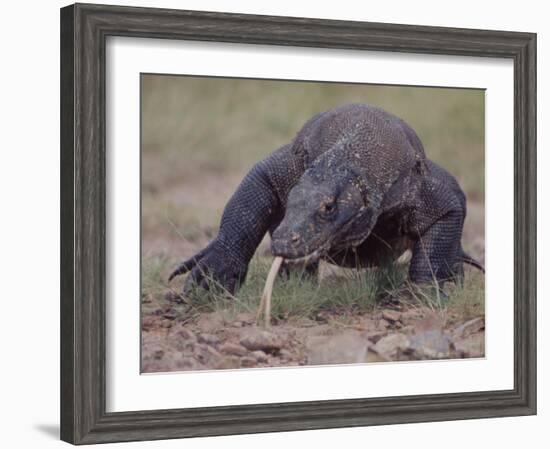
<point x="466" y="258"/>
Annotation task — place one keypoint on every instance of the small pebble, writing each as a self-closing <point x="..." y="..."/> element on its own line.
<point x="248" y="362"/>
<point x="391" y="315"/>
<point x="285" y="354"/>
<point x="263" y="340"/>
<point x="229" y="362"/>
<point x="376" y="335"/>
<point x="209" y="339"/>
<point x="260" y="356"/>
<point x="186" y="334"/>
<point x="233" y="349"/>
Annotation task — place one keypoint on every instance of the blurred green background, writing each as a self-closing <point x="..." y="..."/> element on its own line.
<point x="200" y="135"/>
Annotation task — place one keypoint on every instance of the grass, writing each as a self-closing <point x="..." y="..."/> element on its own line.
<point x="468" y="301"/>
<point x="295" y="297"/>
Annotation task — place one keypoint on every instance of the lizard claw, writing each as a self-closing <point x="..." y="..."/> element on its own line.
<point x="211" y="268"/>
<point x="188" y="264"/>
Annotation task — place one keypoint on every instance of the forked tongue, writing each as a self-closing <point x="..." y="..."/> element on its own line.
<point x="265" y="303"/>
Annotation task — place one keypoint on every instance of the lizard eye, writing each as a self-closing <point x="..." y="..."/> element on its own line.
<point x="327" y="208"/>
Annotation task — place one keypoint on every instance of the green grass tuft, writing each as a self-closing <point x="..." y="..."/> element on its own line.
<point x="297" y="297"/>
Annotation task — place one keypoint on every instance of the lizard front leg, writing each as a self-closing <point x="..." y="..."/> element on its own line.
<point x="436" y="252"/>
<point x="438" y="220"/>
<point x="248" y="215"/>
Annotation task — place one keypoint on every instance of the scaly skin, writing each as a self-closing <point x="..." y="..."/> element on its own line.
<point x="354" y="187"/>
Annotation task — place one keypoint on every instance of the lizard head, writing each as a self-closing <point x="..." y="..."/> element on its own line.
<point x="323" y="212"/>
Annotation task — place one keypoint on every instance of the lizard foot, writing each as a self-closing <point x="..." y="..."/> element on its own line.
<point x="211" y="268"/>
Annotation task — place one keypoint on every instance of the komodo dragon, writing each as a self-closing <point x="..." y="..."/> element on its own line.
<point x="354" y="188"/>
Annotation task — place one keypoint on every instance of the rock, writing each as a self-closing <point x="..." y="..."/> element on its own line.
<point x="374" y="357"/>
<point x="209" y="339"/>
<point x="410" y="315"/>
<point x="430" y="321"/>
<point x="181" y="338"/>
<point x="148" y="323"/>
<point x="186" y="363"/>
<point x="260" y="339"/>
<point x="158" y="354"/>
<point x="248" y="362"/>
<point x="430" y="344"/>
<point x="166" y="323"/>
<point x="319" y="329"/>
<point x="169" y="315"/>
<point x="210" y="322"/>
<point x="229" y="362"/>
<point x="374" y="336"/>
<point x="469" y="328"/>
<point x="153" y="366"/>
<point x="260" y="356"/>
<point x="213" y="351"/>
<point x="186" y="334"/>
<point x="383" y="324"/>
<point x="391" y="346"/>
<point x="181" y="345"/>
<point x="233" y="349"/>
<point x="366" y="324"/>
<point x="391" y="315"/>
<point x="470" y="347"/>
<point x="285" y="354"/>
<point x="206" y="354"/>
<point x="349" y="347"/>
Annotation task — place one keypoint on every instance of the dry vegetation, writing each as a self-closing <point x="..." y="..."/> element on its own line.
<point x="199" y="137"/>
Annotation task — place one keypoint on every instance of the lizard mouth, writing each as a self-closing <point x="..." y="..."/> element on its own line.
<point x="308" y="258"/>
<point x="312" y="256"/>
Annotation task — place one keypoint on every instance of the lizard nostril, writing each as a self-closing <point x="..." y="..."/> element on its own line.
<point x="294" y="237"/>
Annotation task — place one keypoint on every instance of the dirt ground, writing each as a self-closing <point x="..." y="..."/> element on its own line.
<point x="214" y="341"/>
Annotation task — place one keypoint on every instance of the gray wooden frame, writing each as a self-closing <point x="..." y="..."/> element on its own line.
<point x="84" y="29"/>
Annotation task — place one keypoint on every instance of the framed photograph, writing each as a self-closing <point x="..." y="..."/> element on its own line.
<point x="275" y="223"/>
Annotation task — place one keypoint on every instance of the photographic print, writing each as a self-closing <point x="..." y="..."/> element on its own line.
<point x="238" y="230"/>
<point x="304" y="223"/>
